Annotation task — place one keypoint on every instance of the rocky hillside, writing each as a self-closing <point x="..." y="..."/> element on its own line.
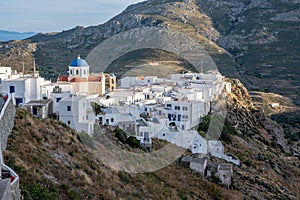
<point x="53" y="163"/>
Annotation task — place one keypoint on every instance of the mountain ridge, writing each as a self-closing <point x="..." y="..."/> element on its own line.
<point x="6" y="35"/>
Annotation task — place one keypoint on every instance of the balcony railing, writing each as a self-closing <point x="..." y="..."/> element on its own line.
<point x="7" y="172"/>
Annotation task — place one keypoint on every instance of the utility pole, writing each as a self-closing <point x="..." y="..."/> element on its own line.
<point x="202" y="66"/>
<point x="133" y="94"/>
<point x="34" y="68"/>
<point x="23" y="70"/>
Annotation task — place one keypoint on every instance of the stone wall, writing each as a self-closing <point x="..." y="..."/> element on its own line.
<point x="7" y="118"/>
<point x="6" y="124"/>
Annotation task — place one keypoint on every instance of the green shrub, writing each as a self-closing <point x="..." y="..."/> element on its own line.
<point x="36" y="192"/>
<point x="75" y="195"/>
<point x="121" y="135"/>
<point x="133" y="142"/>
<point x="124" y="177"/>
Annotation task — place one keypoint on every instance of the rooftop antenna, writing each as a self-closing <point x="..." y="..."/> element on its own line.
<point x="164" y="87"/>
<point x="134" y="94"/>
<point x="202" y="65"/>
<point x="23" y="70"/>
<point x="34" y="69"/>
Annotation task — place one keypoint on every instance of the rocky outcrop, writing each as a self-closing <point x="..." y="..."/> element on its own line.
<point x="248" y="120"/>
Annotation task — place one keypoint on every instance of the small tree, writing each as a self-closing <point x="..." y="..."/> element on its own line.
<point x="133" y="142"/>
<point x="121" y="135"/>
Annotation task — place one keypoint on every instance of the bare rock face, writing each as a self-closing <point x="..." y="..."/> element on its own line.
<point x="247" y="119"/>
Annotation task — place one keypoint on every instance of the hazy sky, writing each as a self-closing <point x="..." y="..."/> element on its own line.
<point x="57" y="15"/>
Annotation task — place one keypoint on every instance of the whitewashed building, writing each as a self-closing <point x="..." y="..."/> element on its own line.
<point x="42" y="108"/>
<point x="76" y="112"/>
<point x="185" y="114"/>
<point x="129" y="82"/>
<point x="168" y="109"/>
<point x="5" y="73"/>
<point x="24" y="89"/>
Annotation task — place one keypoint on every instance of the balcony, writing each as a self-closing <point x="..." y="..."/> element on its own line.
<point x="9" y="176"/>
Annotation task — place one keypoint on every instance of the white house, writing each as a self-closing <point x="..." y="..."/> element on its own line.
<point x="185" y="114"/>
<point x="24" y="89"/>
<point x="224" y="172"/>
<point x="216" y="148"/>
<point x="199" y="164"/>
<point x="128" y="82"/>
<point x="76" y="111"/>
<point x="42" y="108"/>
<point x="5" y="73"/>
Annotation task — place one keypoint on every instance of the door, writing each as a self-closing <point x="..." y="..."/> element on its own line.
<point x="34" y="111"/>
<point x="19" y="101"/>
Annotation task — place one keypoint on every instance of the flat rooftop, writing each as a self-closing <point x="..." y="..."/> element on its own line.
<point x="41" y="102"/>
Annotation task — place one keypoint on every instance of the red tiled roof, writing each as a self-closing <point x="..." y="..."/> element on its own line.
<point x="78" y="80"/>
<point x="62" y="78"/>
<point x="94" y="78"/>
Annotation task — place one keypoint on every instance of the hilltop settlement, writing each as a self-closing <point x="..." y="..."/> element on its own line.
<point x="143" y="107"/>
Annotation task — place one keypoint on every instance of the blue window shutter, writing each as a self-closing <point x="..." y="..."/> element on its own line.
<point x="11" y="89"/>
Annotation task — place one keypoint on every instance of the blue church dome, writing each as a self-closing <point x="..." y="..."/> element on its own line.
<point x="78" y="62"/>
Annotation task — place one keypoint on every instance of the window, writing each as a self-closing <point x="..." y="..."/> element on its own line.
<point x="69" y="122"/>
<point x="77" y="71"/>
<point x="84" y="72"/>
<point x="58" y="99"/>
<point x="184" y="117"/>
<point x="19" y="101"/>
<point x="182" y="127"/>
<point x="112" y="120"/>
<point x="141" y="134"/>
<point x="179" y="118"/>
<point x="146" y="109"/>
<point x="68" y="108"/>
<point x="185" y="108"/>
<point x="87" y="117"/>
<point x="169" y="106"/>
<point x="11" y="89"/>
<point x="177" y="107"/>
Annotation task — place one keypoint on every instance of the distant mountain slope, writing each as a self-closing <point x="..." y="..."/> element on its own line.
<point x="257" y="39"/>
<point x="11" y="35"/>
